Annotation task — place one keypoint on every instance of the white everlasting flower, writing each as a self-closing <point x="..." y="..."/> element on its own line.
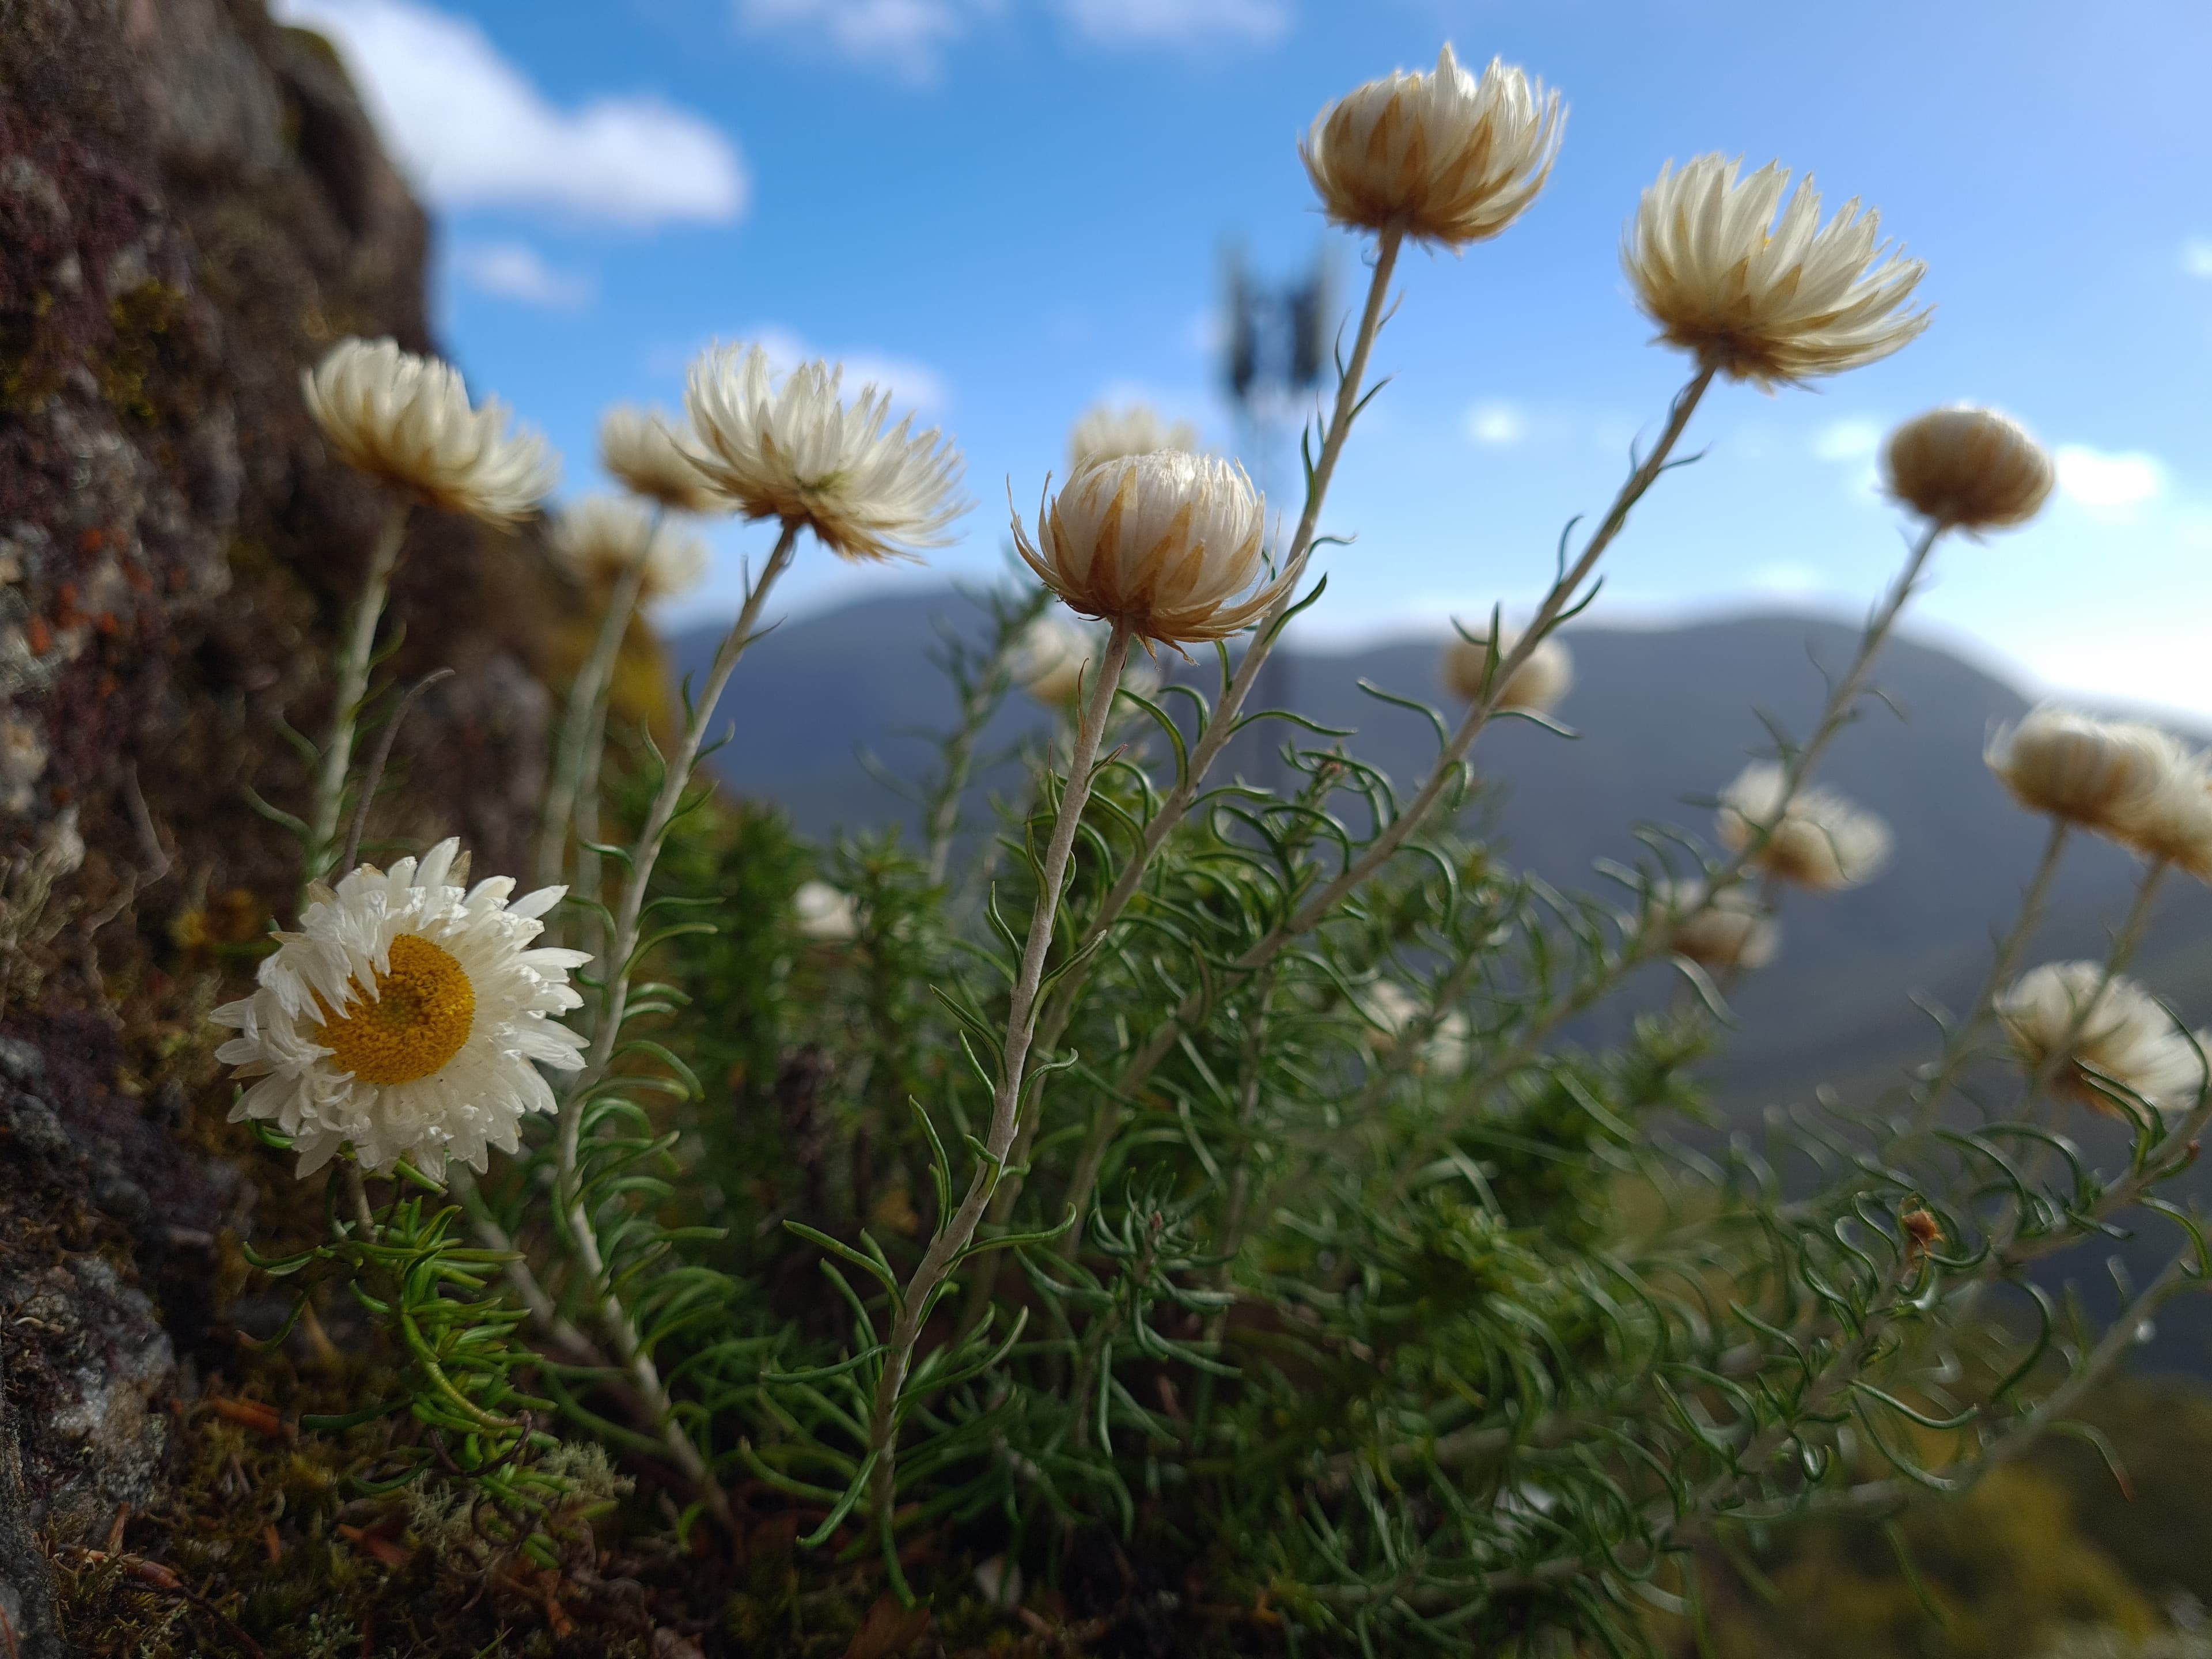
<point x="406" y="1018"/>
<point x="2100" y="774"/>
<point x="1390" y="1008"/>
<point x="2174" y="823"/>
<point x="1052" y="659"/>
<point x="825" y="913"/>
<point x="1966" y="468"/>
<point x="1443" y="156"/>
<point x="407" y="420"/>
<point x="1824" y="841"/>
<point x="1166" y="545"/>
<point x="801" y="453"/>
<point x="600" y="537"/>
<point x="1731" y="931"/>
<point x="642" y="449"/>
<point x="1536" y="687"/>
<point x="2126" y="1037"/>
<point x="1049" y="660"/>
<point x="1106" y="433"/>
<point x="1763" y="299"/>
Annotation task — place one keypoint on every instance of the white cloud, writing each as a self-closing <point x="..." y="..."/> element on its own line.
<point x="1496" y="423"/>
<point x="471" y="130"/>
<point x="1853" y="439"/>
<point x="905" y="35"/>
<point x="912" y="384"/>
<point x="2109" y="485"/>
<point x="1785" y="580"/>
<point x="909" y="36"/>
<point x="516" y="271"/>
<point x="2196" y="257"/>
<point x="1177" y="22"/>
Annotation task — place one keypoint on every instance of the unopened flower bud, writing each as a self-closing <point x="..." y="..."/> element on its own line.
<point x="2103" y="774"/>
<point x="1822" y="840"/>
<point x="1967" y="469"/>
<point x="1443" y="156"/>
<point x="1536" y="687"/>
<point x="1166" y="545"/>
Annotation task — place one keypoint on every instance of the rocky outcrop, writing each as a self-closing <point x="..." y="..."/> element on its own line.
<point x="192" y="207"/>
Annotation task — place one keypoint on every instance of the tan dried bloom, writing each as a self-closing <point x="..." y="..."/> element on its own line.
<point x="2126" y="1037"/>
<point x="600" y="537"/>
<point x="1824" y="841"/>
<point x="799" y="452"/>
<point x="1106" y="433"/>
<point x="1761" y="299"/>
<point x="1536" y="688"/>
<point x="642" y="450"/>
<point x="1733" y="932"/>
<point x="2099" y="773"/>
<point x="1443" y="156"/>
<point x="407" y="421"/>
<point x="1165" y="544"/>
<point x="1966" y="468"/>
<point x="2174" y="823"/>
<point x="1054" y="657"/>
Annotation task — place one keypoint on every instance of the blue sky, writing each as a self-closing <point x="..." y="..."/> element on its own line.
<point x="1012" y="208"/>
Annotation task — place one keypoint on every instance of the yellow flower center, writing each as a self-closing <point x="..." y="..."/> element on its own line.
<point x="419" y="1018"/>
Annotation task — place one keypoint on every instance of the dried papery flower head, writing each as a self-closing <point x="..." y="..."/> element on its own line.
<point x="797" y="452"/>
<point x="1445" y="157"/>
<point x="1966" y="468"/>
<point x="1536" y="687"/>
<point x="1389" y="1009"/>
<point x="642" y="450"/>
<point x="1106" y="433"/>
<point x="1761" y="299"/>
<point x="1732" y="932"/>
<point x="1052" y="659"/>
<point x="1824" y="841"/>
<point x="406" y="1018"/>
<point x="2174" y="823"/>
<point x="2100" y="774"/>
<point x="825" y="913"/>
<point x="1165" y="544"/>
<point x="2125" y="1036"/>
<point x="407" y="420"/>
<point x="600" y="537"/>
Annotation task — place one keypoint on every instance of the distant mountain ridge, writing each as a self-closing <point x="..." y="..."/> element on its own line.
<point x="1662" y="715"/>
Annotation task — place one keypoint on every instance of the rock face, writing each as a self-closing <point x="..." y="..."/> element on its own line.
<point x="193" y="208"/>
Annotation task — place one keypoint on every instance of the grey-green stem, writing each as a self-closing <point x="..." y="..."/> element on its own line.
<point x="581" y="1235"/>
<point x="349" y="685"/>
<point x="1445" y="772"/>
<point x="584" y="721"/>
<point x="1223" y="725"/>
<point x="957" y="1231"/>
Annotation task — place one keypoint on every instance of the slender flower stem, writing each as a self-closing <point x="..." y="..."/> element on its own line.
<point x="1927" y="1096"/>
<point x="1223" y="724"/>
<point x="675" y="781"/>
<point x="579" y="1230"/>
<point x="1446" y="773"/>
<point x="364" y="1214"/>
<point x="350" y="684"/>
<point x="1652" y="940"/>
<point x="957" y="1231"/>
<point x="583" y="723"/>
